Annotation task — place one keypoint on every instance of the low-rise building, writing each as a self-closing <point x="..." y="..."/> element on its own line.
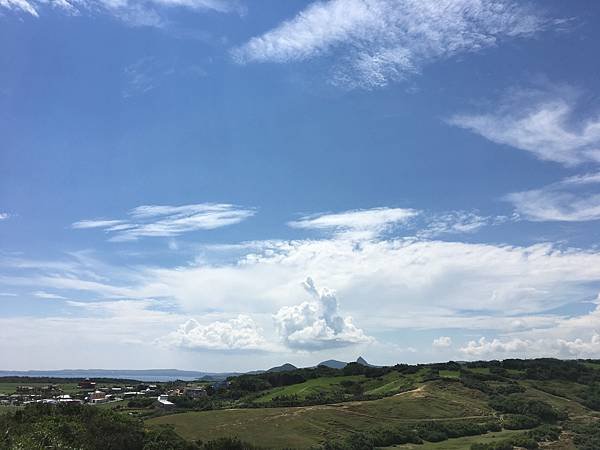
<point x="194" y="392"/>
<point x="97" y="397"/>
<point x="87" y="384"/>
<point x="163" y="402"/>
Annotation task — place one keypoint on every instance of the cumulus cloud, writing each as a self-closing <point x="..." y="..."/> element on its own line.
<point x="484" y="347"/>
<point x="579" y="347"/>
<point x="543" y="121"/>
<point x="169" y="221"/>
<point x="360" y="223"/>
<point x="574" y="199"/>
<point x="317" y="324"/>
<point x="379" y="41"/>
<point x="240" y="333"/>
<point x="442" y="342"/>
<point x="132" y="12"/>
<point x="387" y="283"/>
<point x="517" y="347"/>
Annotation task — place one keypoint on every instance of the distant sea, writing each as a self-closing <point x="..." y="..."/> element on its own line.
<point x="141" y="375"/>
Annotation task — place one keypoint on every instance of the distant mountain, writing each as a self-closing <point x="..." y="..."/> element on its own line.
<point x="283" y="368"/>
<point x="333" y="363"/>
<point x="363" y="362"/>
<point x="140" y="375"/>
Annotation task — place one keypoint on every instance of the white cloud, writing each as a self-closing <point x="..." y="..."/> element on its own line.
<point x="517" y="347"/>
<point x="317" y="324"/>
<point x="84" y="224"/>
<point x="48" y="295"/>
<point x="4" y="216"/>
<point x="379" y="41"/>
<point x="574" y="199"/>
<point x="387" y="284"/>
<point x="133" y="12"/>
<point x="241" y="333"/>
<point x="458" y="222"/>
<point x="358" y="223"/>
<point x="442" y="342"/>
<point x="543" y="121"/>
<point x="169" y="221"/>
<point x="485" y="348"/>
<point x="407" y="277"/>
<point x="19" y="5"/>
<point x="579" y="347"/>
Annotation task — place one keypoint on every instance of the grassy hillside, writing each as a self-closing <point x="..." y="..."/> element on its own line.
<point x="308" y="388"/>
<point x="544" y="403"/>
<point x="385" y="385"/>
<point x="512" y="404"/>
<point x="305" y="426"/>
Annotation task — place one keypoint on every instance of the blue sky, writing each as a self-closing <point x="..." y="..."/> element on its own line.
<point x="221" y="184"/>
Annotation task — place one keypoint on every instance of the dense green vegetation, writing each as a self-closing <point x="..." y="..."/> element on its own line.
<point x="460" y="406"/>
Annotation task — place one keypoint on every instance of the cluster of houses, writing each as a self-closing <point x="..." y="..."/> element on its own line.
<point x="105" y="394"/>
<point x="50" y="393"/>
<point x="91" y="392"/>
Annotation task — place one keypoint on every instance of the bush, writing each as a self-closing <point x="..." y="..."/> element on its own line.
<point x="519" y="422"/>
<point x="545" y="433"/>
<point x="227" y="444"/>
<point x="496" y="446"/>
<point x="141" y="402"/>
<point x="514" y="404"/>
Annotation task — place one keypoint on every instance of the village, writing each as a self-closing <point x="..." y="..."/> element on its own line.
<point x="98" y="393"/>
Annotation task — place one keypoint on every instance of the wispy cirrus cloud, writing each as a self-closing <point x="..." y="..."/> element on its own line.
<point x="23" y="6"/>
<point x="376" y="42"/>
<point x="371" y="223"/>
<point x="4" y="215"/>
<point x="458" y="222"/>
<point x="132" y="12"/>
<point x="48" y="295"/>
<point x="574" y="199"/>
<point x="358" y="222"/>
<point x="544" y="121"/>
<point x="169" y="221"/>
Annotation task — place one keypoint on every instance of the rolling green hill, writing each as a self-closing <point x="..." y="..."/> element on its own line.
<point x="302" y="427"/>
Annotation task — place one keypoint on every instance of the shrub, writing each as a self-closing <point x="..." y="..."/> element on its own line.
<point x="519" y="422"/>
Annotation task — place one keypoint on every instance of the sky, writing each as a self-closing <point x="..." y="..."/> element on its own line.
<point x="230" y="185"/>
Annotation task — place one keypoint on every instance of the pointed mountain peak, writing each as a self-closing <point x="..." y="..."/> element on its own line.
<point x="363" y="362"/>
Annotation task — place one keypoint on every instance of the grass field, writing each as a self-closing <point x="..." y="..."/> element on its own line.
<point x="449" y="373"/>
<point x="392" y="383"/>
<point x="593" y="365"/>
<point x="302" y="427"/>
